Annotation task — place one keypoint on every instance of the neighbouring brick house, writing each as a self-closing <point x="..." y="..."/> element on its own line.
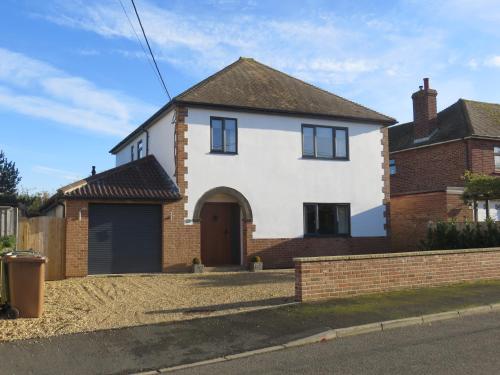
<point x="248" y="162"/>
<point x="428" y="158"/>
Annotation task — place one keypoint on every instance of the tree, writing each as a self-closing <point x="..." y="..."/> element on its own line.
<point x="9" y="176"/>
<point x="480" y="187"/>
<point x="32" y="202"/>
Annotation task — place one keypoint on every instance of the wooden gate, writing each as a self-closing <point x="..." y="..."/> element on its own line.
<point x="46" y="235"/>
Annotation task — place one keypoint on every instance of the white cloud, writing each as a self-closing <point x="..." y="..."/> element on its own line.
<point x="37" y="89"/>
<point x="203" y="44"/>
<point x="493" y="61"/>
<point x="56" y="173"/>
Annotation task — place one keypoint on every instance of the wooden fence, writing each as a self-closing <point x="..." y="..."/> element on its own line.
<point x="46" y="235"/>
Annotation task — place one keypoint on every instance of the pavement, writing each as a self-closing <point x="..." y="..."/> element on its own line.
<point x="470" y="345"/>
<point x="157" y="346"/>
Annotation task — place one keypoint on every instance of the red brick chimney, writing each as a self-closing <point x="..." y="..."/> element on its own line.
<point x="424" y="111"/>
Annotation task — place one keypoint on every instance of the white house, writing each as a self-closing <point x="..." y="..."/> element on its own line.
<point x="263" y="164"/>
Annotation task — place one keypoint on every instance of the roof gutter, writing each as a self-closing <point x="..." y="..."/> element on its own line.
<point x="487" y="138"/>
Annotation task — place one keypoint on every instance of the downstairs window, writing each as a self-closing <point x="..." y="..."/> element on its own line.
<point x="327" y="219"/>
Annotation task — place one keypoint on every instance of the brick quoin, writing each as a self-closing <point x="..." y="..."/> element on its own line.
<point x="333" y="277"/>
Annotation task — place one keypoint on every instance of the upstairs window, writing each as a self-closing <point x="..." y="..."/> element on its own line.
<point x="223" y="135"/>
<point x="327" y="219"/>
<point x="496" y="154"/>
<point x="392" y="167"/>
<point x="132" y="153"/>
<point x="139" y="149"/>
<point x="324" y="142"/>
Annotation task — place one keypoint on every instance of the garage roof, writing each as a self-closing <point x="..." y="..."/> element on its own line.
<point x="143" y="179"/>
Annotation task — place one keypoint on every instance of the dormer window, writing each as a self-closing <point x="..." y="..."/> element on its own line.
<point x="139" y="149"/>
<point x="223" y="135"/>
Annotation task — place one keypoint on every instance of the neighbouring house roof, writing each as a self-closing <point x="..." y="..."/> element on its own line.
<point x="249" y="85"/>
<point x="143" y="179"/>
<point x="465" y="118"/>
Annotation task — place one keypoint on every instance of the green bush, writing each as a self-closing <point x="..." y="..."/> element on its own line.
<point x="7" y="242"/>
<point x="447" y="235"/>
<point x="196" y="261"/>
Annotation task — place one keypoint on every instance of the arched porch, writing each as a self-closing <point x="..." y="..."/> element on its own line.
<point x="223" y="213"/>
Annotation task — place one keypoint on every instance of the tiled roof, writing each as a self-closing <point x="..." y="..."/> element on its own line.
<point x="462" y="119"/>
<point x="249" y="85"/>
<point x="143" y="179"/>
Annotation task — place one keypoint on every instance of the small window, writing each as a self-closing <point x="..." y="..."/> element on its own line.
<point x="139" y="149"/>
<point x="496" y="153"/>
<point x="392" y="167"/>
<point x="132" y="153"/>
<point x="330" y="219"/>
<point x="224" y="135"/>
<point x="324" y="142"/>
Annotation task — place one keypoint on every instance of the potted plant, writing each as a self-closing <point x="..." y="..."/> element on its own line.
<point x="256" y="264"/>
<point x="197" y="267"/>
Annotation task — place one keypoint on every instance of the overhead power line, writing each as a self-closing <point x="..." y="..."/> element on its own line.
<point x="148" y="58"/>
<point x="150" y="51"/>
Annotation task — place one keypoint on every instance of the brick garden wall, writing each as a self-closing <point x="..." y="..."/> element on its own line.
<point x="330" y="277"/>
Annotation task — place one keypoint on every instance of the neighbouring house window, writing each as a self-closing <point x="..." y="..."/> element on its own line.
<point x="223" y="135"/>
<point x="392" y="167"/>
<point x="139" y="149"/>
<point x="496" y="153"/>
<point x="324" y="142"/>
<point x="332" y="219"/>
<point x="132" y="153"/>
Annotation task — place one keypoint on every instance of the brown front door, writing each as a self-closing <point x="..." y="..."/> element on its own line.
<point x="220" y="234"/>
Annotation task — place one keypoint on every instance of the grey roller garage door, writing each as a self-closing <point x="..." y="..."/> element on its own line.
<point x="124" y="238"/>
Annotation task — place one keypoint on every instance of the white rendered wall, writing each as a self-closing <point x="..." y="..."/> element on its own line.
<point x="161" y="144"/>
<point x="270" y="172"/>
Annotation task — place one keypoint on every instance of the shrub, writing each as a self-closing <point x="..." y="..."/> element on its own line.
<point x="7" y="242"/>
<point x="447" y="235"/>
<point x="196" y="261"/>
<point x="256" y="259"/>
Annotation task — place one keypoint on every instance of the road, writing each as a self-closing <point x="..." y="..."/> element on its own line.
<point x="469" y="345"/>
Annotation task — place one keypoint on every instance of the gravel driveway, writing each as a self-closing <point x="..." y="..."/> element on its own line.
<point x="95" y="303"/>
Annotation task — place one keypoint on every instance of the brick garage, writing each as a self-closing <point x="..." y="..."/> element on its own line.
<point x="330" y="277"/>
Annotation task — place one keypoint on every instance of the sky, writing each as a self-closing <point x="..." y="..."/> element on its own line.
<point x="74" y="79"/>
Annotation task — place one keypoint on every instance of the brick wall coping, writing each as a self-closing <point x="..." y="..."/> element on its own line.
<point x="338" y="258"/>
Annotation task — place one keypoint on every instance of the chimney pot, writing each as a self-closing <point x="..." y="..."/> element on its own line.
<point x="93" y="170"/>
<point x="426" y="83"/>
